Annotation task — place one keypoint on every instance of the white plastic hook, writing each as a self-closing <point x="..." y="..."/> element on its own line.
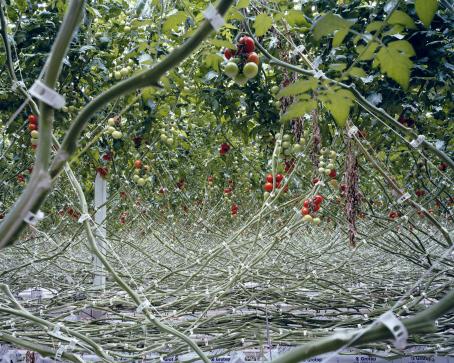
<point x="32" y="218"/>
<point x="396" y="327"/>
<point x="47" y="95"/>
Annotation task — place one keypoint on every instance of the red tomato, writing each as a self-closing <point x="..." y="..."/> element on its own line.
<point x="305" y="211"/>
<point x="138" y="164"/>
<point x="318" y="199"/>
<point x="102" y="171"/>
<point x="32" y="119"/>
<point x="443" y="166"/>
<point x="268" y="187"/>
<point x="247" y="43"/>
<point x="227" y="190"/>
<point x="269" y="178"/>
<point x="279" y="177"/>
<point x="253" y="57"/>
<point x="229" y="53"/>
<point x="107" y="156"/>
<point x="306" y="204"/>
<point x="315" y="181"/>
<point x="286" y="188"/>
<point x="32" y="127"/>
<point x="332" y="173"/>
<point x="210" y="179"/>
<point x="393" y="215"/>
<point x="420" y="192"/>
<point x="315" y="207"/>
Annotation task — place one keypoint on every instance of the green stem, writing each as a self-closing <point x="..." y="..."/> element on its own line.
<point x="421" y="323"/>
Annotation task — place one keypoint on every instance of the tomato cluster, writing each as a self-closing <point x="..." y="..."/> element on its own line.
<point x="243" y="62"/>
<point x="140" y="172"/>
<point x="268" y="186"/>
<point x="234" y="209"/>
<point x="224" y="149"/>
<point x="310" y="208"/>
<point x="33" y="128"/>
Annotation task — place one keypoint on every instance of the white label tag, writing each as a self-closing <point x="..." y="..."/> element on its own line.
<point x="396" y="327"/>
<point x="353" y="131"/>
<point x="47" y="95"/>
<point x="418" y="141"/>
<point x="33" y="219"/>
<point x="83" y="218"/>
<point x="213" y="16"/>
<point x="403" y="198"/>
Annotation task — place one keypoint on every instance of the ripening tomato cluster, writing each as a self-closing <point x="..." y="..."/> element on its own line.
<point x="33" y="128"/>
<point x="228" y="191"/>
<point x="310" y="208"/>
<point x="268" y="186"/>
<point x="224" y="149"/>
<point x="234" y="210"/>
<point x="140" y="171"/>
<point x="243" y="62"/>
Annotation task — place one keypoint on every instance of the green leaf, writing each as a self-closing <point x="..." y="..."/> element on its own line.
<point x="404" y="47"/>
<point x="357" y="72"/>
<point x="220" y="43"/>
<point x="242" y="4"/>
<point x="339" y="37"/>
<point x="328" y="24"/>
<point x="367" y="54"/>
<point x="298" y="109"/>
<point x="262" y="23"/>
<point x="399" y="17"/>
<point x="174" y="21"/>
<point x="338" y="103"/>
<point x="374" y="26"/>
<point x="213" y="61"/>
<point x="394" y="61"/>
<point x="426" y="10"/>
<point x="339" y="67"/>
<point x="298" y="87"/>
<point x="296" y="18"/>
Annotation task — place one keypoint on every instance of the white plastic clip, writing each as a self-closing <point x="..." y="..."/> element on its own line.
<point x="56" y="330"/>
<point x="352" y="131"/>
<point x="32" y="218"/>
<point x="418" y="141"/>
<point x="396" y="327"/>
<point x="83" y="218"/>
<point x="61" y="349"/>
<point x="72" y="344"/>
<point x="403" y="198"/>
<point x="143" y="305"/>
<point x="212" y="15"/>
<point x="47" y="95"/>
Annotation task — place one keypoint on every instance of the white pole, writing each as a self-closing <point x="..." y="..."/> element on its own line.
<point x="99" y="280"/>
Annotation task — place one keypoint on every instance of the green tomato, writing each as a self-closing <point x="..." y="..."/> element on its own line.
<point x="135" y="177"/>
<point x="34" y="134"/>
<point x="250" y="70"/>
<point x="297" y="148"/>
<point x="286" y="137"/>
<point x="117" y="75"/>
<point x="316" y="221"/>
<point x="141" y="181"/>
<point x="163" y="138"/>
<point x="110" y="129"/>
<point x="277" y="104"/>
<point x="169" y="141"/>
<point x="231" y="69"/>
<point x="275" y="90"/>
<point x="286" y="144"/>
<point x="111" y="121"/>
<point x="124" y="72"/>
<point x="241" y="79"/>
<point x="117" y="135"/>
<point x="307" y="218"/>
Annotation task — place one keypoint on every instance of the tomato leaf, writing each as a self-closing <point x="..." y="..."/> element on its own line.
<point x="262" y="24"/>
<point x="426" y="10"/>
